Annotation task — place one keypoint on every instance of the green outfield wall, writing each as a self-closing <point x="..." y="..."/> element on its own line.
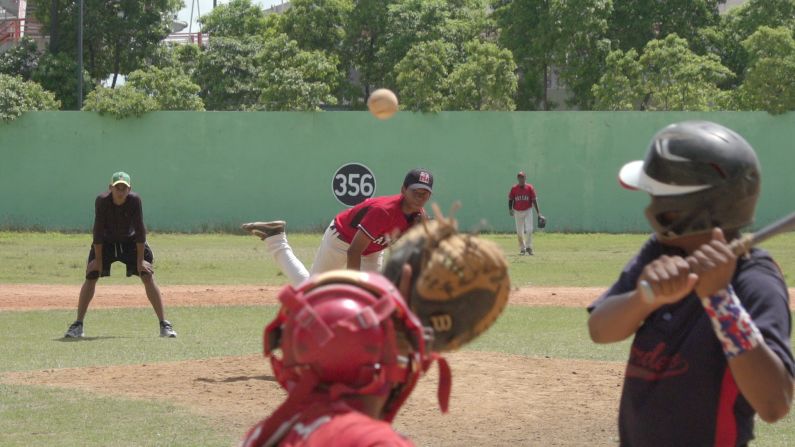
<point x="204" y="171"/>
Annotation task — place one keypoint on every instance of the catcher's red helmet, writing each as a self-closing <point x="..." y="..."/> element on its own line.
<point x="343" y="333"/>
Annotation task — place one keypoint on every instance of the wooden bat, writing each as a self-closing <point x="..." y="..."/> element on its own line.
<point x="741" y="245"/>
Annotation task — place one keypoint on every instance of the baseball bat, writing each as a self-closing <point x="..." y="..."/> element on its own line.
<point x="741" y="245"/>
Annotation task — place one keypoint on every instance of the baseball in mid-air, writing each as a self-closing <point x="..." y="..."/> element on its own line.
<point x="382" y="103"/>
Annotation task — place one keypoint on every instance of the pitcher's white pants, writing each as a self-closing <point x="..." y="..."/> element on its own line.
<point x="332" y="255"/>
<point x="524" y="228"/>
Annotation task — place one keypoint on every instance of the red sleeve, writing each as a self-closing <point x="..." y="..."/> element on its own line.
<point x="532" y="192"/>
<point x="375" y="223"/>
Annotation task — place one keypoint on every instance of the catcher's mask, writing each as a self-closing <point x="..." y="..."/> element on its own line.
<point x="700" y="175"/>
<point x="344" y="333"/>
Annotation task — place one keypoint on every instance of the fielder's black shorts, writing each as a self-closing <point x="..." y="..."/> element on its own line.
<point x="125" y="252"/>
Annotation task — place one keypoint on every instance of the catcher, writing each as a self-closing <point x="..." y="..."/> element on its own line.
<point x="349" y="400"/>
<point x="350" y="354"/>
<point x="711" y="331"/>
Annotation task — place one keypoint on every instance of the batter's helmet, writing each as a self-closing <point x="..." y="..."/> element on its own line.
<point x="701" y="175"/>
<point x="349" y="333"/>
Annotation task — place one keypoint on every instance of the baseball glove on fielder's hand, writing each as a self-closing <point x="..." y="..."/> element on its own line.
<point x="542" y="221"/>
<point x="459" y="283"/>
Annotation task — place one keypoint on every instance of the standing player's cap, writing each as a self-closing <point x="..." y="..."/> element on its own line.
<point x="120" y="177"/>
<point x="418" y="178"/>
<point x="521" y="174"/>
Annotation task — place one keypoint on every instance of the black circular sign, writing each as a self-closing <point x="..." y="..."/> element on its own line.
<point x="353" y="183"/>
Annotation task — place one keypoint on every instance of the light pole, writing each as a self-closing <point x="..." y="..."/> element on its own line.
<point x="80" y="57"/>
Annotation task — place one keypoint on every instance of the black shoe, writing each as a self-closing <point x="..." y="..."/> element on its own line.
<point x="75" y="330"/>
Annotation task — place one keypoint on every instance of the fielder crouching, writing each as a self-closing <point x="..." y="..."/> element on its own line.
<point x="711" y="342"/>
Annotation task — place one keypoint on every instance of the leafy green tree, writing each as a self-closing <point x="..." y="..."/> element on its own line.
<point x="18" y="96"/>
<point x="365" y="37"/>
<point x="422" y="76"/>
<point x="486" y="81"/>
<point x="228" y="73"/>
<point x="183" y="57"/>
<point x="238" y="18"/>
<point x="725" y="39"/>
<point x="770" y="80"/>
<point x="123" y="102"/>
<point x="117" y="34"/>
<point x="582" y="48"/>
<point x="410" y="22"/>
<point x="294" y="79"/>
<point x="620" y="87"/>
<point x="668" y="76"/>
<point x="318" y="24"/>
<point x="20" y="60"/>
<point x="170" y="87"/>
<point x="528" y="29"/>
<point x="554" y="34"/>
<point x="57" y="73"/>
<point x="633" y="23"/>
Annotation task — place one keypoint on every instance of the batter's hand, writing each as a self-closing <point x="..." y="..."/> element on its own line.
<point x="714" y="263"/>
<point x="669" y="278"/>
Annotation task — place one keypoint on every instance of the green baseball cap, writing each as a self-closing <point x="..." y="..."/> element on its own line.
<point x="120" y="177"/>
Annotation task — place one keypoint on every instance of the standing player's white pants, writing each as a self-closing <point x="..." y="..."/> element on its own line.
<point x="524" y="228"/>
<point x="332" y="255"/>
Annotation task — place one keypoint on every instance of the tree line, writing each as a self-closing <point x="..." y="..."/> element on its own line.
<point x="435" y="54"/>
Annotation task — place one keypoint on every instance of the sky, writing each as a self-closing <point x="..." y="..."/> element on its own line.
<point x="205" y="6"/>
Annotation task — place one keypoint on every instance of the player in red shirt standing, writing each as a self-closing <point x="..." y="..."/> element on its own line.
<point x="357" y="236"/>
<point x="349" y="351"/>
<point x="521" y="200"/>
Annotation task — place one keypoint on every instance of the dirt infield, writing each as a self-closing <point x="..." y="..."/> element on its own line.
<point x="527" y="401"/>
<point x="35" y="296"/>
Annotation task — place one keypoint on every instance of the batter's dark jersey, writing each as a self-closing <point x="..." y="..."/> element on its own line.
<point x="118" y="223"/>
<point x="678" y="389"/>
<point x="380" y="218"/>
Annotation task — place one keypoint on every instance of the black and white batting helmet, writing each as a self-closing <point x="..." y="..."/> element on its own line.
<point x="701" y="175"/>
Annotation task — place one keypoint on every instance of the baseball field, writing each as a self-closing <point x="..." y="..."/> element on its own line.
<point x="533" y="379"/>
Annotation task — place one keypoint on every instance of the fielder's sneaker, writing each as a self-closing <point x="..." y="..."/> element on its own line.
<point x="265" y="229"/>
<point x="530" y="252"/>
<point x="75" y="330"/>
<point x="166" y="330"/>
<point x="522" y="252"/>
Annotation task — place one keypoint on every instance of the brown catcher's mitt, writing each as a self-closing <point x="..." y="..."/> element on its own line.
<point x="459" y="283"/>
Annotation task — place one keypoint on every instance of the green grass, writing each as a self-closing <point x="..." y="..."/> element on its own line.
<point x="34" y="415"/>
<point x="32" y="340"/>
<point x="561" y="259"/>
<point x="31" y="415"/>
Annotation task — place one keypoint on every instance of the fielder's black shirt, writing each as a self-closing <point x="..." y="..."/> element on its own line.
<point x="678" y="389"/>
<point x="118" y="223"/>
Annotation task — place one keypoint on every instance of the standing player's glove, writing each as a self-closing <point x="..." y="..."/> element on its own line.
<point x="542" y="221"/>
<point x="459" y="283"/>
